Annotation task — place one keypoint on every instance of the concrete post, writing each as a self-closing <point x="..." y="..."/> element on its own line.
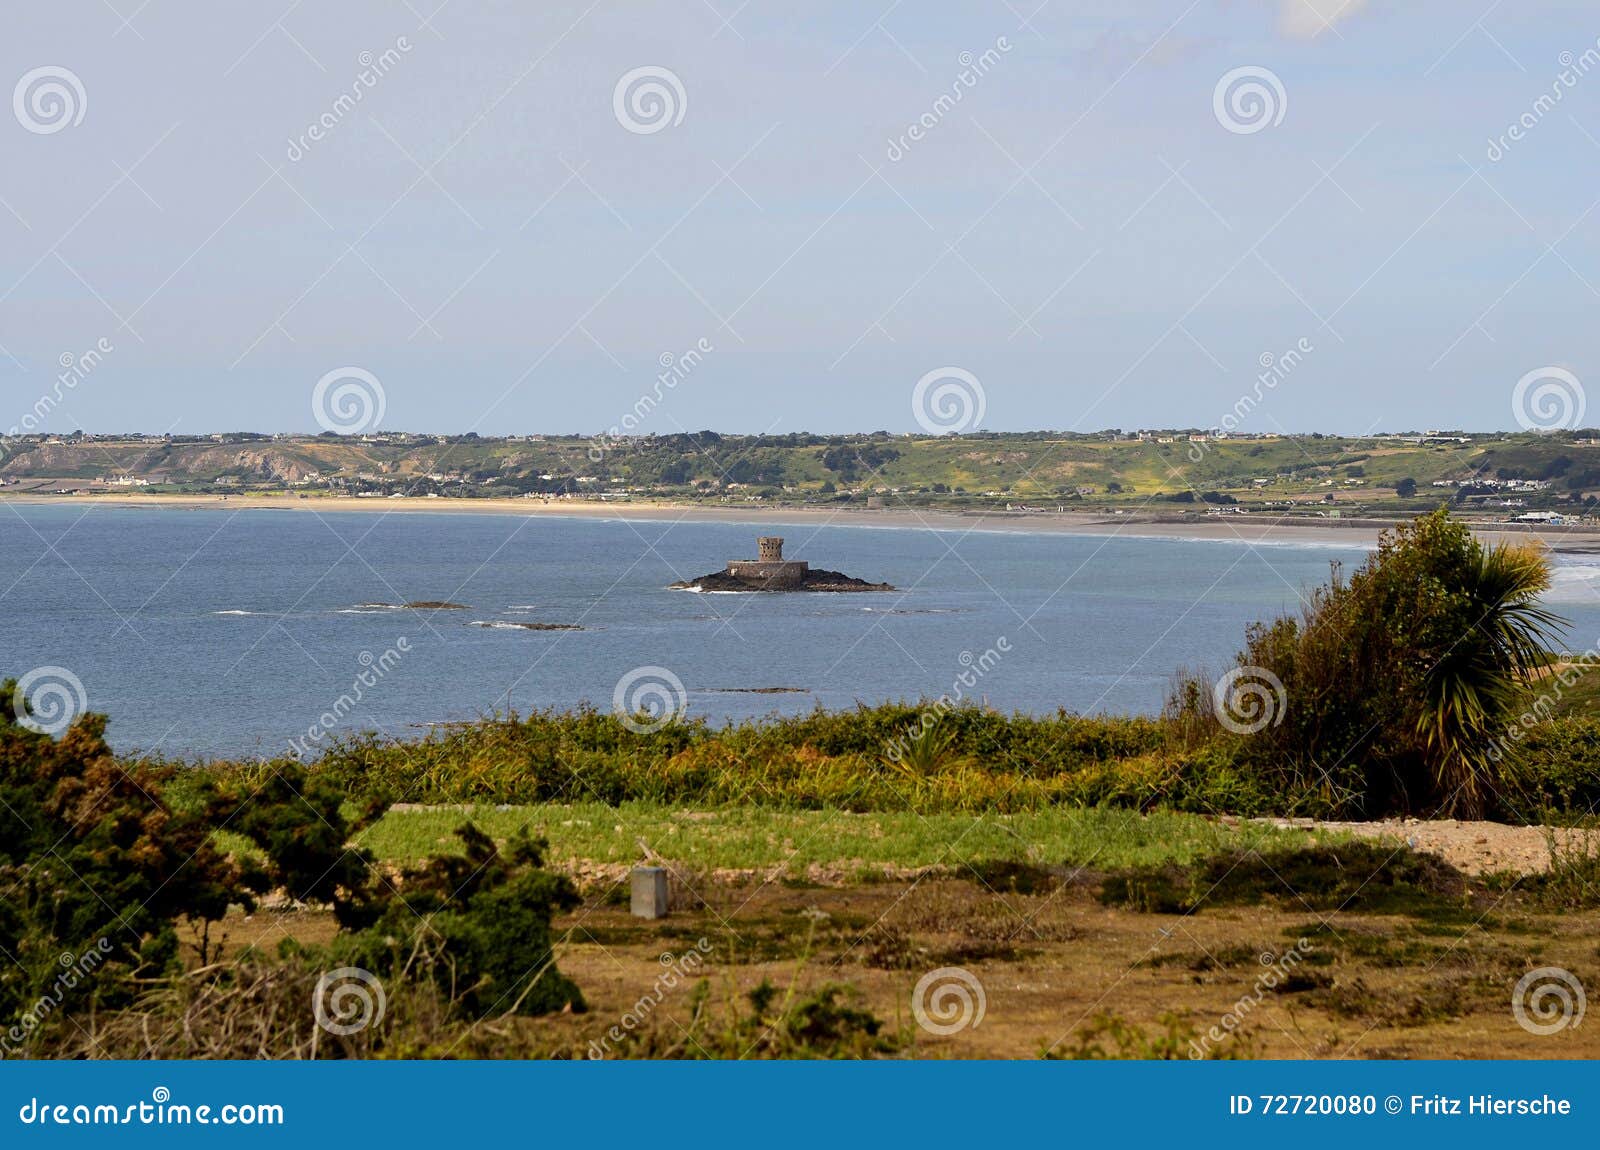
<point x="649" y="892"/>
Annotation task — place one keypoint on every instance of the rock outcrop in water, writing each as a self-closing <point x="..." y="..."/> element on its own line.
<point x="770" y="571"/>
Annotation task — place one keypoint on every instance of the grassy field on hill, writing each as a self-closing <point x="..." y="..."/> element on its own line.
<point x="1111" y="470"/>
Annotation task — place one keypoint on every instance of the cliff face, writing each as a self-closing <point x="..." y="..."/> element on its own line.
<point x="185" y="461"/>
<point x="268" y="464"/>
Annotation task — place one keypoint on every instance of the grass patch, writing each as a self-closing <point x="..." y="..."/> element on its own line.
<point x="1004" y="850"/>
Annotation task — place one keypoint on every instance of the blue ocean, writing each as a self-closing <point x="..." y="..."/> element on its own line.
<point x="230" y="632"/>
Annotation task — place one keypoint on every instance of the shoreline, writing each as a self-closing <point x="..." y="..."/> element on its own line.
<point x="1255" y="528"/>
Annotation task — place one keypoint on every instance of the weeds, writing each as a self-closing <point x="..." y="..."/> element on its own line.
<point x="1109" y="1036"/>
<point x="769" y="1022"/>
<point x="1573" y="880"/>
<point x="1349" y="876"/>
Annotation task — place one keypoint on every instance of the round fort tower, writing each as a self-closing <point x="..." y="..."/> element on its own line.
<point x="769" y="570"/>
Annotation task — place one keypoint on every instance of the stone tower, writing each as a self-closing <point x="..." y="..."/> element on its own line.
<point x="769" y="570"/>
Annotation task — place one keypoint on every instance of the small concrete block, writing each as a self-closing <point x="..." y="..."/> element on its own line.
<point x="649" y="891"/>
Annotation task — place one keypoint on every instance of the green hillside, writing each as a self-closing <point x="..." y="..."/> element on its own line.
<point x="1500" y="474"/>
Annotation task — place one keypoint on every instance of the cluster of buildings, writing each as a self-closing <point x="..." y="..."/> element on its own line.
<point x="1195" y="436"/>
<point x="1496" y="484"/>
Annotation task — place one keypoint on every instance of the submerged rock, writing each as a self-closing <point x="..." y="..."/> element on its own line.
<point x="511" y="625"/>
<point x="758" y="690"/>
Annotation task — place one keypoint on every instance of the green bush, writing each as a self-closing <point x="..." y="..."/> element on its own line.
<point x="1392" y="690"/>
<point x="102" y="862"/>
<point x="478" y="925"/>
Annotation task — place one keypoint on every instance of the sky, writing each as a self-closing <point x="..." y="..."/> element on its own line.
<point x="1130" y="209"/>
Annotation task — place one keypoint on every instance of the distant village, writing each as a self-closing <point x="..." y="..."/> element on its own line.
<point x="1534" y="479"/>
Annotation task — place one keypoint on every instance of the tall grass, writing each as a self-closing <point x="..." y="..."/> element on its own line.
<point x="987" y="761"/>
<point x="976" y="761"/>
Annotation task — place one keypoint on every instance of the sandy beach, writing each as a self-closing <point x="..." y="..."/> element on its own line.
<point x="1253" y="528"/>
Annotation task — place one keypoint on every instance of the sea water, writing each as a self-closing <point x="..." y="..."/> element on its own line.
<point x="231" y="632"/>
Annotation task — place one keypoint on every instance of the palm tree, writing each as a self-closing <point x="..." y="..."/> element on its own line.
<point x="1475" y="689"/>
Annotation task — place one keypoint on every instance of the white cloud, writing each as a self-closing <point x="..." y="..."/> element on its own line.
<point x="1308" y="18"/>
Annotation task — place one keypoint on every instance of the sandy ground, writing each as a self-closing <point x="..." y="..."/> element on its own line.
<point x="1251" y="528"/>
<point x="1474" y="848"/>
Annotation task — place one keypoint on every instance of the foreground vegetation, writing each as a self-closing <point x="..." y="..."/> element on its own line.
<point x="111" y="886"/>
<point x="1420" y="685"/>
<point x="984" y="763"/>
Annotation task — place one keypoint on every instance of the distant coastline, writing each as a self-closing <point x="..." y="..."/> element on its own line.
<point x="1256" y="527"/>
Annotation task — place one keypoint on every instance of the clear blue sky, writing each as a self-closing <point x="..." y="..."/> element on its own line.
<point x="1079" y="231"/>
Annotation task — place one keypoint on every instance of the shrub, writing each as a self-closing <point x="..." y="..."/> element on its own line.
<point x="1395" y="685"/>
<point x="478" y="925"/>
<point x="770" y="1023"/>
<point x="93" y="862"/>
<point x="102" y="862"/>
